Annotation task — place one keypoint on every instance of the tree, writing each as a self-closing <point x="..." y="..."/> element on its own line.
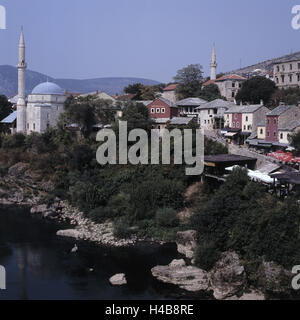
<point x="210" y="92"/>
<point x="289" y="96"/>
<point x="256" y="89"/>
<point x="190" y="81"/>
<point x="137" y="117"/>
<point x="136" y="89"/>
<point x="143" y="92"/>
<point x="295" y="138"/>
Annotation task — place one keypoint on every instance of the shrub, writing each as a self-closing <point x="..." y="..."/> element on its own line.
<point x="166" y="217"/>
<point x="122" y="229"/>
<point x="15" y="141"/>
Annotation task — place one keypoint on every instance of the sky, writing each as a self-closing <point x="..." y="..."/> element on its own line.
<point x="151" y="39"/>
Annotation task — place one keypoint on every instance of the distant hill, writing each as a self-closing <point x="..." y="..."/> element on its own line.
<point x="9" y="82"/>
<point x="267" y="65"/>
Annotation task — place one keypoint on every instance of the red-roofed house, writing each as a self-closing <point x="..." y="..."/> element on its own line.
<point x="229" y="85"/>
<point x="170" y="93"/>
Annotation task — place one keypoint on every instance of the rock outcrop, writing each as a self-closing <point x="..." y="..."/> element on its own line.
<point x="228" y="276"/>
<point x="118" y="280"/>
<point x="186" y="243"/>
<point x="188" y="278"/>
<point x="274" y="278"/>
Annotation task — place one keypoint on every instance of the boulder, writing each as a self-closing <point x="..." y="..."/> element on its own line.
<point x="118" y="280"/>
<point x="186" y="243"/>
<point x="228" y="277"/>
<point x="274" y="278"/>
<point x="70" y="233"/>
<point x="188" y="278"/>
<point x="18" y="169"/>
<point x="40" y="209"/>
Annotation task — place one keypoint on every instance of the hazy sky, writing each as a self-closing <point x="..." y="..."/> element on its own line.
<point x="145" y="38"/>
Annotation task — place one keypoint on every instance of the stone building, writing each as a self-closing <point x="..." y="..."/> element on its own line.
<point x="42" y="107"/>
<point x="287" y="73"/>
<point x="188" y="107"/>
<point x="211" y="114"/>
<point x="170" y="93"/>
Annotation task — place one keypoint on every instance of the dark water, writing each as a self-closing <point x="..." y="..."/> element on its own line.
<point x="40" y="266"/>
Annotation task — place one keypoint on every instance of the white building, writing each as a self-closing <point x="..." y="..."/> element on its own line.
<point x="43" y="105"/>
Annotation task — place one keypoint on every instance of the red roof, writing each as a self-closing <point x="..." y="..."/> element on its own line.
<point x="171" y="87"/>
<point x="207" y="83"/>
<point x="231" y="77"/>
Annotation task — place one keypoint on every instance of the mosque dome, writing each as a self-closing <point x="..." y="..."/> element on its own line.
<point x="48" y="88"/>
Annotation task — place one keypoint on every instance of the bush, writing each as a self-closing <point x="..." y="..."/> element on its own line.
<point x="15" y="141"/>
<point x="122" y="229"/>
<point x="166" y="217"/>
<point x="207" y="255"/>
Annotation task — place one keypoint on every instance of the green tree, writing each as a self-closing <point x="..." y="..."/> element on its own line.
<point x="256" y="89"/>
<point x="295" y="142"/>
<point x="210" y="93"/>
<point x="190" y="80"/>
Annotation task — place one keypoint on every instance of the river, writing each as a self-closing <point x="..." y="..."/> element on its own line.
<point x="39" y="265"/>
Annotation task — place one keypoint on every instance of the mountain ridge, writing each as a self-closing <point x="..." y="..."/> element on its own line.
<point x="110" y="85"/>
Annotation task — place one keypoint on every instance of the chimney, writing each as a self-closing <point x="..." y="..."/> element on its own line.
<point x="281" y="103"/>
<point x="261" y="102"/>
<point x="241" y="103"/>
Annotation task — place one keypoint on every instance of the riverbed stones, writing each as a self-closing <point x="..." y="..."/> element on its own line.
<point x="228" y="277"/>
<point x="189" y="278"/>
<point x="18" y="169"/>
<point x="118" y="279"/>
<point x="70" y="233"/>
<point x="186" y="243"/>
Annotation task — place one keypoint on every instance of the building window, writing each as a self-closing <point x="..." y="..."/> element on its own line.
<point x="233" y="125"/>
<point x="157" y="110"/>
<point x="249" y="128"/>
<point x="261" y="131"/>
<point x="247" y="119"/>
<point x="240" y="85"/>
<point x="233" y="85"/>
<point x="28" y="126"/>
<point x="204" y="121"/>
<point x="235" y="116"/>
<point x="152" y="110"/>
<point x="281" y="135"/>
<point x="34" y="126"/>
<point x="279" y="69"/>
<point x="237" y="124"/>
<point x="268" y="121"/>
<point x="282" y="79"/>
<point x="268" y="134"/>
<point x="228" y="116"/>
<point x="283" y="68"/>
<point x="274" y="134"/>
<point x="163" y="110"/>
<point x="233" y="95"/>
<point x="275" y="121"/>
<point x="208" y="121"/>
<point x="298" y="77"/>
<point x="291" y="67"/>
<point x="244" y="128"/>
<point x="277" y="80"/>
<point x="291" y="78"/>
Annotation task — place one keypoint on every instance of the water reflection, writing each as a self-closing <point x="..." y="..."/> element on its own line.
<point x="40" y="266"/>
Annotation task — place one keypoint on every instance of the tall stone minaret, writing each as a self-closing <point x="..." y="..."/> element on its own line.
<point x="21" y="105"/>
<point x="213" y="65"/>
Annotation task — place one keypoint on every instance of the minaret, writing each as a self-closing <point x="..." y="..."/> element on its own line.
<point x="21" y="105"/>
<point x="213" y="65"/>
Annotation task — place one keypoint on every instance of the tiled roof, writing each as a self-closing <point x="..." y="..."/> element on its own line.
<point x="279" y="110"/>
<point x="290" y="126"/>
<point x="231" y="77"/>
<point x="168" y="102"/>
<point x="181" y="121"/>
<point x="191" y="102"/>
<point x="207" y="83"/>
<point x="171" y="87"/>
<point x="244" y="109"/>
<point x="215" y="104"/>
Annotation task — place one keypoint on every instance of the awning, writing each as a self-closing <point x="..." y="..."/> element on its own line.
<point x="231" y="134"/>
<point x="11" y="118"/>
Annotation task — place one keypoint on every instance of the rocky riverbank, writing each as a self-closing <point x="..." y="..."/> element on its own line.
<point x="22" y="187"/>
